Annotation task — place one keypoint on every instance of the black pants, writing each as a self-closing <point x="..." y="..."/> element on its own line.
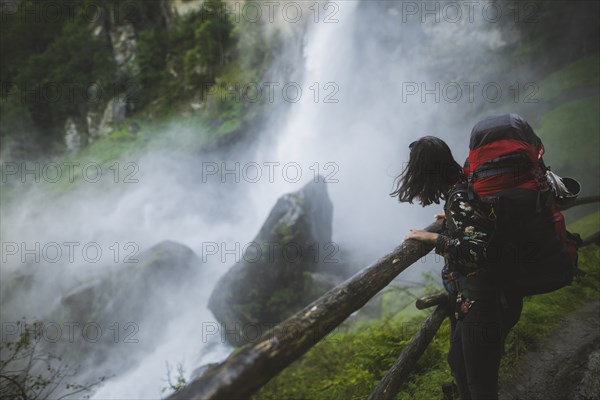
<point x="477" y="345"/>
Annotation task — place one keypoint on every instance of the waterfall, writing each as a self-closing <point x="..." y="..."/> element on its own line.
<point x="346" y="113"/>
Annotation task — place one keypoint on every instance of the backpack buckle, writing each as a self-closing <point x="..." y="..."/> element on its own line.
<point x="492" y="215"/>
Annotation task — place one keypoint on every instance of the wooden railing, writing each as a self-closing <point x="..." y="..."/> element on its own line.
<point x="248" y="369"/>
<point x="389" y="385"/>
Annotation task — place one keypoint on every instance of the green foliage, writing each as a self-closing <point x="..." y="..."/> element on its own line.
<point x="542" y="28"/>
<point x="151" y="57"/>
<point x="571" y="135"/>
<point x="141" y="14"/>
<point x="341" y="366"/>
<point x="212" y="40"/>
<point x="181" y="39"/>
<point x="233" y="98"/>
<point x="586" y="226"/>
<point x="48" y="64"/>
<point x="203" y="52"/>
<point x="15" y="117"/>
<point x="432" y="284"/>
<point x="27" y="371"/>
<point x="281" y="300"/>
<point x="312" y="288"/>
<point x="396" y="299"/>
<point x="285" y="233"/>
<point x="580" y="74"/>
<point x="23" y="36"/>
<point x="176" y="383"/>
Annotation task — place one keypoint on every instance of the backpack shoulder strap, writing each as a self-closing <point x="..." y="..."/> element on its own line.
<point x="460" y="187"/>
<point x="487" y="205"/>
<point x="456" y="189"/>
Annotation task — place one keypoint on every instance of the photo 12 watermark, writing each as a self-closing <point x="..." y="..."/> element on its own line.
<point x="288" y="251"/>
<point x="469" y="92"/>
<point x="72" y="93"/>
<point x="268" y="172"/>
<point x="467" y="12"/>
<point x="255" y="332"/>
<point x="271" y="92"/>
<point x="69" y="172"/>
<point x="72" y="331"/>
<point x="93" y="93"/>
<point x="266" y="11"/>
<point x="69" y="252"/>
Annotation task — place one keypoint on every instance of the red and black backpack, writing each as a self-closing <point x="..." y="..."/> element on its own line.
<point x="530" y="248"/>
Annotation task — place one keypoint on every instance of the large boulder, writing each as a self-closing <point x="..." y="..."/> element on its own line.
<point x="127" y="307"/>
<point x="283" y="269"/>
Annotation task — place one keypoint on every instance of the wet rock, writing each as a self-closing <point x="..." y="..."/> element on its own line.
<point x="117" y="316"/>
<point x="282" y="271"/>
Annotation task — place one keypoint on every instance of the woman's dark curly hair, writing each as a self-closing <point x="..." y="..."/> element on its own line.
<point x="430" y="173"/>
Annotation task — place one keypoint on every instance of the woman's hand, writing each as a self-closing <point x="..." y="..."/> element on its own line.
<point x="421" y="235"/>
<point x="440" y="215"/>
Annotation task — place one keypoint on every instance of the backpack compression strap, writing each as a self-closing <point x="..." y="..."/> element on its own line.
<point x="501" y="165"/>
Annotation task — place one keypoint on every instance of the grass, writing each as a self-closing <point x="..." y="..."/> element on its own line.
<point x="120" y="146"/>
<point x="343" y="365"/>
<point x="121" y="150"/>
<point x="579" y="74"/>
<point x="571" y="136"/>
<point x="586" y="226"/>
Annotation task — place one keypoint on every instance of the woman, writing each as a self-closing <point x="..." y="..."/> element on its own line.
<point x="486" y="309"/>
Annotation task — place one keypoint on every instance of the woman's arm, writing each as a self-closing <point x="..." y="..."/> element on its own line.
<point x="421" y="235"/>
<point x="425" y="236"/>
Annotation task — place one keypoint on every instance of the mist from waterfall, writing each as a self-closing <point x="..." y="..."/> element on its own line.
<point x="351" y="125"/>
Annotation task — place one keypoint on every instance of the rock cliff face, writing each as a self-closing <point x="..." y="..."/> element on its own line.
<point x="74" y="138"/>
<point x="284" y="268"/>
<point x="181" y="8"/>
<point x="124" y="44"/>
<point x="102" y="117"/>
